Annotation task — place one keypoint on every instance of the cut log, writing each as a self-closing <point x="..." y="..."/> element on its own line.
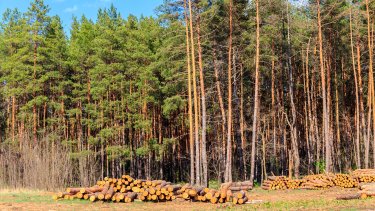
<point x="242" y="200"/>
<point x="73" y="190"/>
<point x="349" y="196"/>
<point x="109" y="193"/>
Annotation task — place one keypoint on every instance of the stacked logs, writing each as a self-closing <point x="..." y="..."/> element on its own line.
<point x="321" y="181"/>
<point x="223" y="195"/>
<point x="237" y="186"/>
<point x="158" y="193"/>
<point x="367" y="190"/>
<point x="226" y="195"/>
<point x="127" y="189"/>
<point x="80" y="193"/>
<point x="193" y="193"/>
<point x="124" y="189"/>
<point x="275" y="183"/>
<point x="240" y="197"/>
<point x="364" y="175"/>
<point x="235" y="192"/>
<point x="281" y="183"/>
<point x="318" y="181"/>
<point x="345" y="181"/>
<point x="294" y="183"/>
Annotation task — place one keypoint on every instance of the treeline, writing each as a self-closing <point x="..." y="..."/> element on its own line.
<point x="207" y="90"/>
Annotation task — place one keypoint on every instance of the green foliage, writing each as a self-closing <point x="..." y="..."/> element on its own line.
<point x="142" y="151"/>
<point x="118" y="86"/>
<point x="321" y="165"/>
<point x="53" y="137"/>
<point x="80" y="155"/>
<point x="93" y="140"/>
<point x="214" y="184"/>
<point x="118" y="152"/>
<point x="154" y="146"/>
<point x="69" y="143"/>
<point x="172" y="104"/>
<point x="106" y="134"/>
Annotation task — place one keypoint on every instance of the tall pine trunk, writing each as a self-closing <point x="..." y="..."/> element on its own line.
<point x="325" y="117"/>
<point x="296" y="159"/>
<point x="191" y="133"/>
<point x="242" y="124"/>
<point x="204" y="117"/>
<point x="222" y="164"/>
<point x="228" y="161"/>
<point x="196" y="126"/>
<point x="371" y="76"/>
<point x="35" y="130"/>
<point x="13" y="117"/>
<point x="357" y="113"/>
<point x="256" y="100"/>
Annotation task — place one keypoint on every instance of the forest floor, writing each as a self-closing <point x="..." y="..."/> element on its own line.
<point x="263" y="200"/>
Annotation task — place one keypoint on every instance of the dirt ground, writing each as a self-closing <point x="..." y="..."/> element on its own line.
<point x="261" y="200"/>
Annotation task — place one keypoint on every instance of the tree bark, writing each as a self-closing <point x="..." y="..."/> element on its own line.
<point x="242" y="125"/>
<point x="204" y="178"/>
<point x="326" y="134"/>
<point x="371" y="76"/>
<point x="367" y="141"/>
<point x="228" y="161"/>
<point x="223" y="115"/>
<point x="296" y="160"/>
<point x="13" y="117"/>
<point x="191" y="132"/>
<point x="35" y="130"/>
<point x="312" y="140"/>
<point x="357" y="123"/>
<point x="196" y="126"/>
<point x="256" y="100"/>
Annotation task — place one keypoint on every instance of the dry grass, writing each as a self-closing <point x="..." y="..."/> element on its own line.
<point x="20" y="190"/>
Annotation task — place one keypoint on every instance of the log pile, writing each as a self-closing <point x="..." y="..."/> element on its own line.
<point x="218" y="196"/>
<point x="321" y="181"/>
<point x="364" y="175"/>
<point x="124" y="189"/>
<point x="281" y="183"/>
<point x="294" y="183"/>
<point x="127" y="189"/>
<point x="160" y="192"/>
<point x="318" y="181"/>
<point x="193" y="193"/>
<point x="345" y="181"/>
<point x="275" y="183"/>
<point x="311" y="182"/>
<point x="367" y="190"/>
<point x="237" y="186"/>
<point x="240" y="197"/>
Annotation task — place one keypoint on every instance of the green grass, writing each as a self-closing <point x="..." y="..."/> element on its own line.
<point x="316" y="204"/>
<point x="300" y="203"/>
<point x="34" y="197"/>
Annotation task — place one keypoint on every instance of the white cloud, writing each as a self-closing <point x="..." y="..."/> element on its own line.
<point x="71" y="9"/>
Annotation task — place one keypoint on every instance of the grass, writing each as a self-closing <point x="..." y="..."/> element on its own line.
<point x="318" y="204"/>
<point x="272" y="200"/>
<point x="31" y="196"/>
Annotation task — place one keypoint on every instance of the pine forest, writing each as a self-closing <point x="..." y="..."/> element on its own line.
<point x="204" y="90"/>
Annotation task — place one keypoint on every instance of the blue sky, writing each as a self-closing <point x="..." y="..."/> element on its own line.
<point x="67" y="8"/>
